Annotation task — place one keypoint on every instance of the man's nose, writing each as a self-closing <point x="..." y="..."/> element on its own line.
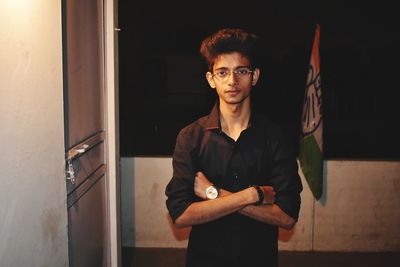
<point x="232" y="78"/>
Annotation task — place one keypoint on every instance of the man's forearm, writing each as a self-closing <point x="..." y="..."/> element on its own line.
<point x="270" y="213"/>
<point x="210" y="210"/>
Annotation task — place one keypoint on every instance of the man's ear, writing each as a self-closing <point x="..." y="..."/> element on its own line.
<point x="210" y="79"/>
<point x="256" y="75"/>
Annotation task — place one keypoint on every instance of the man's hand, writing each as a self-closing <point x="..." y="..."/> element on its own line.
<point x="200" y="185"/>
<point x="269" y="194"/>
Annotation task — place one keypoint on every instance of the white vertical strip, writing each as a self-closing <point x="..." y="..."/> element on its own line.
<point x="112" y="123"/>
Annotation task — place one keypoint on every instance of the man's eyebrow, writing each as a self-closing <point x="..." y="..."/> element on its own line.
<point x="238" y="67"/>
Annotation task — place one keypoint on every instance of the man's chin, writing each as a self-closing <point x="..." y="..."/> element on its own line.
<point x="234" y="101"/>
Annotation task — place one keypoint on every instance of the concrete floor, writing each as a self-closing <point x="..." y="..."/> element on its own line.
<point x="168" y="257"/>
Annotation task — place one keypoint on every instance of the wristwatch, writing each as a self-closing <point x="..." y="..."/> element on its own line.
<point x="212" y="192"/>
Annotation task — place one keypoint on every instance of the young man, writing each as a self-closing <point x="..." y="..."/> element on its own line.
<point x="235" y="178"/>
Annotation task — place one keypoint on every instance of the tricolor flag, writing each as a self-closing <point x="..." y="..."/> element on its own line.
<point x="311" y="145"/>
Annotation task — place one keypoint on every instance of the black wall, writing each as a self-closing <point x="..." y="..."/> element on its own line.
<point x="162" y="76"/>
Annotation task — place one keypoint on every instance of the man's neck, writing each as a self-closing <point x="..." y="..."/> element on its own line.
<point x="234" y="118"/>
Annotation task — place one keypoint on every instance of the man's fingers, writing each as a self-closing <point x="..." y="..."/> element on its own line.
<point x="267" y="188"/>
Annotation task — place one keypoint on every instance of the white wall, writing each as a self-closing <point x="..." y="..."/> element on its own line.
<point x="33" y="213"/>
<point x="357" y="212"/>
<point x="360" y="210"/>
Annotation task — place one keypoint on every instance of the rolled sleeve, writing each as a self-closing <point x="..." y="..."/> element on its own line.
<point x="180" y="189"/>
<point x="286" y="180"/>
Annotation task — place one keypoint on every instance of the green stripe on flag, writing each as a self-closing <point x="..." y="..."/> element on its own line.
<point x="310" y="157"/>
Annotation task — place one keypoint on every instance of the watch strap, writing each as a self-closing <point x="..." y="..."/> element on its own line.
<point x="260" y="195"/>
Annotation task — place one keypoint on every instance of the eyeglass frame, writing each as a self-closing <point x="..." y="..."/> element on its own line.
<point x="232" y="72"/>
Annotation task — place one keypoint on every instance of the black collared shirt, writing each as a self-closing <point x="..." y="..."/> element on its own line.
<point x="260" y="156"/>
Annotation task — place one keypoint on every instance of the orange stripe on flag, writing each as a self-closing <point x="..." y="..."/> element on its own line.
<point x="315" y="50"/>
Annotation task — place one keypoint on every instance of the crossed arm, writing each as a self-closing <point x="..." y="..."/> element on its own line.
<point x="228" y="202"/>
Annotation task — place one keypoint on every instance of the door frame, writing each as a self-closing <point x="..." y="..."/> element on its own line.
<point x="112" y="126"/>
<point x="111" y="120"/>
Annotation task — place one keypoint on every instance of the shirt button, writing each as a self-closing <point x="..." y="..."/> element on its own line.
<point x="236" y="176"/>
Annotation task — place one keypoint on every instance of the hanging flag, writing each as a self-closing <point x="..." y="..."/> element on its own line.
<point x="311" y="143"/>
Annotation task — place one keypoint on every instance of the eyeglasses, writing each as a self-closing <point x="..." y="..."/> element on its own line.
<point x="223" y="74"/>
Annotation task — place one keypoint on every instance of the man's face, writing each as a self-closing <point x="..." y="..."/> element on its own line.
<point x="232" y="77"/>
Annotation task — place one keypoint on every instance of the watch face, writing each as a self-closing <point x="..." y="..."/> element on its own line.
<point x="211" y="192"/>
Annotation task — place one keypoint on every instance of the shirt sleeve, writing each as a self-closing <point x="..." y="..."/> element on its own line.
<point x="180" y="189"/>
<point x="285" y="178"/>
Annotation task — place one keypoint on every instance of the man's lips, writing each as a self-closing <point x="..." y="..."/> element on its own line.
<point x="232" y="92"/>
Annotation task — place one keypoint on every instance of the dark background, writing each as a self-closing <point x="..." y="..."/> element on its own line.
<point x="162" y="76"/>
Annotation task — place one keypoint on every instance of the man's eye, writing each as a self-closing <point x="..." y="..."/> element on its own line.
<point x="242" y="71"/>
<point x="222" y="73"/>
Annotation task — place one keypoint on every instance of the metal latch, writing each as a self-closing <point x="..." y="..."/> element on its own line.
<point x="70" y="172"/>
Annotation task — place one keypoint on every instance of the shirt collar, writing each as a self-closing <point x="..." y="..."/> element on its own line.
<point x="213" y="121"/>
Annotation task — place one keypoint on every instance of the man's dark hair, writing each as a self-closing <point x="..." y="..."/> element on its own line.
<point x="228" y="41"/>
